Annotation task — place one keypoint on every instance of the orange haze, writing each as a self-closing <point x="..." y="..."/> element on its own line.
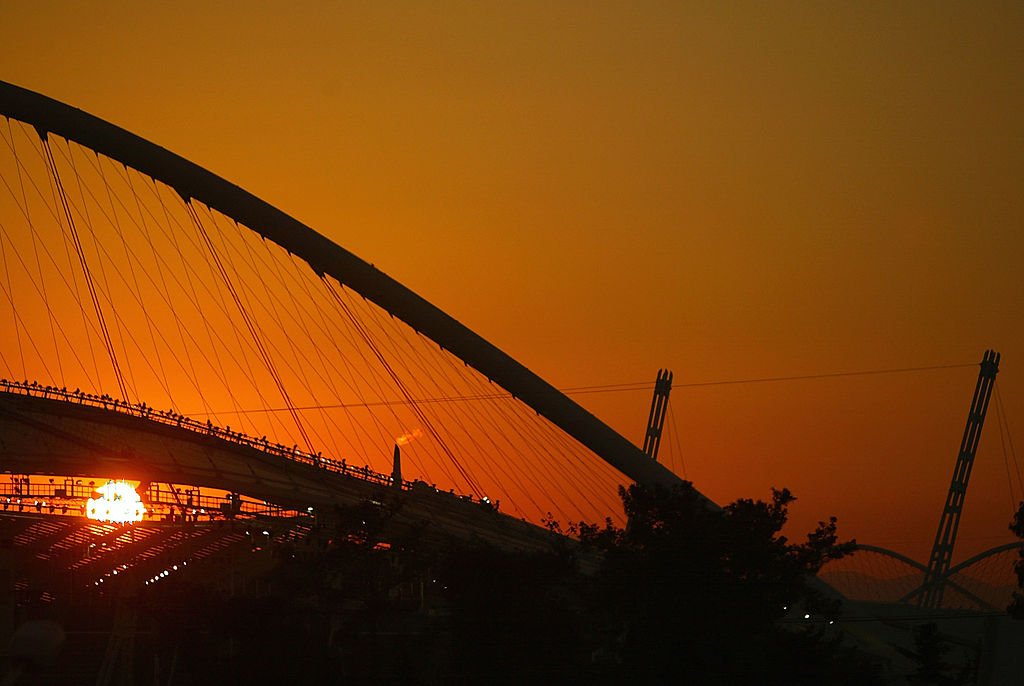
<point x="732" y="191"/>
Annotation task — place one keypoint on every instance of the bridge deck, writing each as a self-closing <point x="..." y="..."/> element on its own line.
<point x="44" y="430"/>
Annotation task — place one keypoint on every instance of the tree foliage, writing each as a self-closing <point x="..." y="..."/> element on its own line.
<point x="685" y="592"/>
<point x="693" y="593"/>
<point x="1016" y="608"/>
<point x="930" y="654"/>
<point x="690" y="590"/>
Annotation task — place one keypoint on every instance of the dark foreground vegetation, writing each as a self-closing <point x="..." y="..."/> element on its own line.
<point x="682" y="594"/>
<point x="1016" y="608"/>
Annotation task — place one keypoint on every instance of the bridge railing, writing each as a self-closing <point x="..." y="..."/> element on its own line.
<point x="21" y="493"/>
<point x="208" y="428"/>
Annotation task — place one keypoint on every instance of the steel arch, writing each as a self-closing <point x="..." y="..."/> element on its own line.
<point x="983" y="555"/>
<point x="924" y="570"/>
<point x="327" y="258"/>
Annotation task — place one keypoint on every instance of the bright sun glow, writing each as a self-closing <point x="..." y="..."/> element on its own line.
<point x="118" y="502"/>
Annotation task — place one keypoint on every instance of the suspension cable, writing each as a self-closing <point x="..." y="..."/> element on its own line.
<point x="80" y="250"/>
<point x="361" y="330"/>
<point x="250" y="325"/>
<point x="1004" y="423"/>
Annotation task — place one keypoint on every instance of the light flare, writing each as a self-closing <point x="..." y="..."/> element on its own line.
<point x="118" y="503"/>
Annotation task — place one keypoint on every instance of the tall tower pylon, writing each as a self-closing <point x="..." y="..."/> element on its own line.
<point x="656" y="420"/>
<point x="945" y="538"/>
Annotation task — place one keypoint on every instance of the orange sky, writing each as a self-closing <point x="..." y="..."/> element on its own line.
<point x="729" y="190"/>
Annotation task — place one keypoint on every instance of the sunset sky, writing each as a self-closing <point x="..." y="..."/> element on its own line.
<point x="734" y="191"/>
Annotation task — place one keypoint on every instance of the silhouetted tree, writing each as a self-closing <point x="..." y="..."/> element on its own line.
<point x="693" y="593"/>
<point x="929" y="653"/>
<point x="1016" y="608"/>
<point x="684" y="593"/>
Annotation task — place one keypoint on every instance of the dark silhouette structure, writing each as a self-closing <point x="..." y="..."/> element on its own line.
<point x="945" y="537"/>
<point x="325" y="257"/>
<point x="656" y="420"/>
<point x="939" y="574"/>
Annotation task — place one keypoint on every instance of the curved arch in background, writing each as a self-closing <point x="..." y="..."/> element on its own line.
<point x="327" y="258"/>
<point x="966" y="564"/>
<point x="893" y="554"/>
<point x="947" y="579"/>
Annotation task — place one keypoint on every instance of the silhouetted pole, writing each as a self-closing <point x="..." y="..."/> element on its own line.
<point x="396" y="468"/>
<point x="656" y="420"/>
<point x="945" y="537"/>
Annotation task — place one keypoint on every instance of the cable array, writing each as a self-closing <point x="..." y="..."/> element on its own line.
<point x="200" y="314"/>
<point x="115" y="284"/>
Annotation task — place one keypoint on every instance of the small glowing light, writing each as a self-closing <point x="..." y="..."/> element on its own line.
<point x="175" y="567"/>
<point x="118" y="502"/>
<point x="266" y="533"/>
<point x="408" y="438"/>
<point x="831" y="621"/>
<point x="309" y="509"/>
<point x="807" y="616"/>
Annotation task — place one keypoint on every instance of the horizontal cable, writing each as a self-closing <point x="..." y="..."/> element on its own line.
<point x="829" y="375"/>
<point x="583" y="390"/>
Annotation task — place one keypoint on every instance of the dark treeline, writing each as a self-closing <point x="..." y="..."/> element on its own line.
<point x="1016" y="608"/>
<point x="682" y="594"/>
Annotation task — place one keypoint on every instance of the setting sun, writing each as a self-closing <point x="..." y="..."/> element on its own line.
<point x="118" y="502"/>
